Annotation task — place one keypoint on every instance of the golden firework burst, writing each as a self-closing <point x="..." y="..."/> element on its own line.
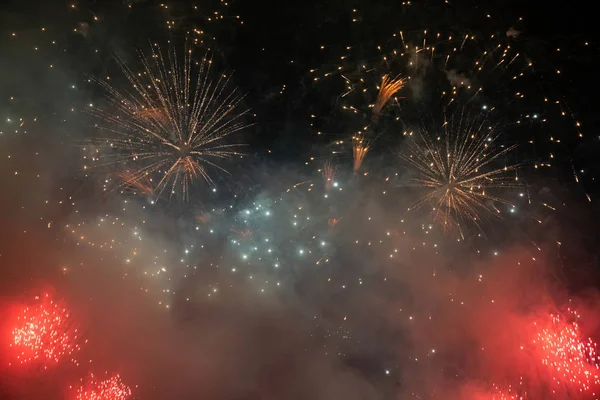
<point x="360" y="148"/>
<point x="172" y="123"/>
<point x="462" y="170"/>
<point x="389" y="87"/>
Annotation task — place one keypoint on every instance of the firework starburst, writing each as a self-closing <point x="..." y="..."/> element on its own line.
<point x="170" y="126"/>
<point x="460" y="170"/>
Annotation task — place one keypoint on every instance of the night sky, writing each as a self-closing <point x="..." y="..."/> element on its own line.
<point x="290" y="267"/>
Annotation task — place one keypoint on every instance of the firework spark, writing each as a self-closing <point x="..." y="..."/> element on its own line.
<point x="329" y="173"/>
<point x="460" y="172"/>
<point x="172" y="123"/>
<point x="243" y="233"/>
<point x="44" y="332"/>
<point x="109" y="389"/>
<point x="574" y="361"/>
<point x="136" y="183"/>
<point x="360" y="148"/>
<point x="389" y="87"/>
<point x="332" y="222"/>
<point x="504" y="394"/>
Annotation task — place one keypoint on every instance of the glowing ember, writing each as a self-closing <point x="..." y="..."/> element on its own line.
<point x="574" y="361"/>
<point x="109" y="389"/>
<point x="44" y="332"/>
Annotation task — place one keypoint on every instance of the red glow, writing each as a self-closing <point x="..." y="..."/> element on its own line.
<point x="109" y="389"/>
<point x="499" y="395"/>
<point x="504" y="394"/>
<point x="572" y="360"/>
<point x="43" y="332"/>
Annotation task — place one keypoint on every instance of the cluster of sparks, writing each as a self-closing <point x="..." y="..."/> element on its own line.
<point x="265" y="237"/>
<point x="574" y="361"/>
<point x="112" y="388"/>
<point x="360" y="142"/>
<point x="44" y="332"/>
<point x="329" y="173"/>
<point x="459" y="170"/>
<point x="170" y="128"/>
<point x="388" y="88"/>
<point x="141" y="185"/>
<point x="360" y="148"/>
<point x="465" y="69"/>
<point x="506" y="394"/>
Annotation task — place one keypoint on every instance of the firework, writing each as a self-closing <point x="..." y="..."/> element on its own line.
<point x="449" y="68"/>
<point x="360" y="148"/>
<point x="504" y="394"/>
<point x="243" y="233"/>
<point x="109" y="389"/>
<point x="44" y="332"/>
<point x="170" y="127"/>
<point x="460" y="172"/>
<point x="332" y="222"/>
<point x="500" y="395"/>
<point x="329" y="173"/>
<point x="574" y="361"/>
<point x="389" y="87"/>
<point x="141" y="184"/>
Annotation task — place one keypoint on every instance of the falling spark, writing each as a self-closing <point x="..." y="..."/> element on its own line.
<point x="329" y="173"/>
<point x="389" y="87"/>
<point x="360" y="148"/>
<point x="459" y="172"/>
<point x="141" y="184"/>
<point x="171" y="126"/>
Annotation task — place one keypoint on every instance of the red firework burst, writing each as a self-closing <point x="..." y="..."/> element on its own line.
<point x="108" y="389"/>
<point x="507" y="394"/>
<point x="573" y="360"/>
<point x="44" y="332"/>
